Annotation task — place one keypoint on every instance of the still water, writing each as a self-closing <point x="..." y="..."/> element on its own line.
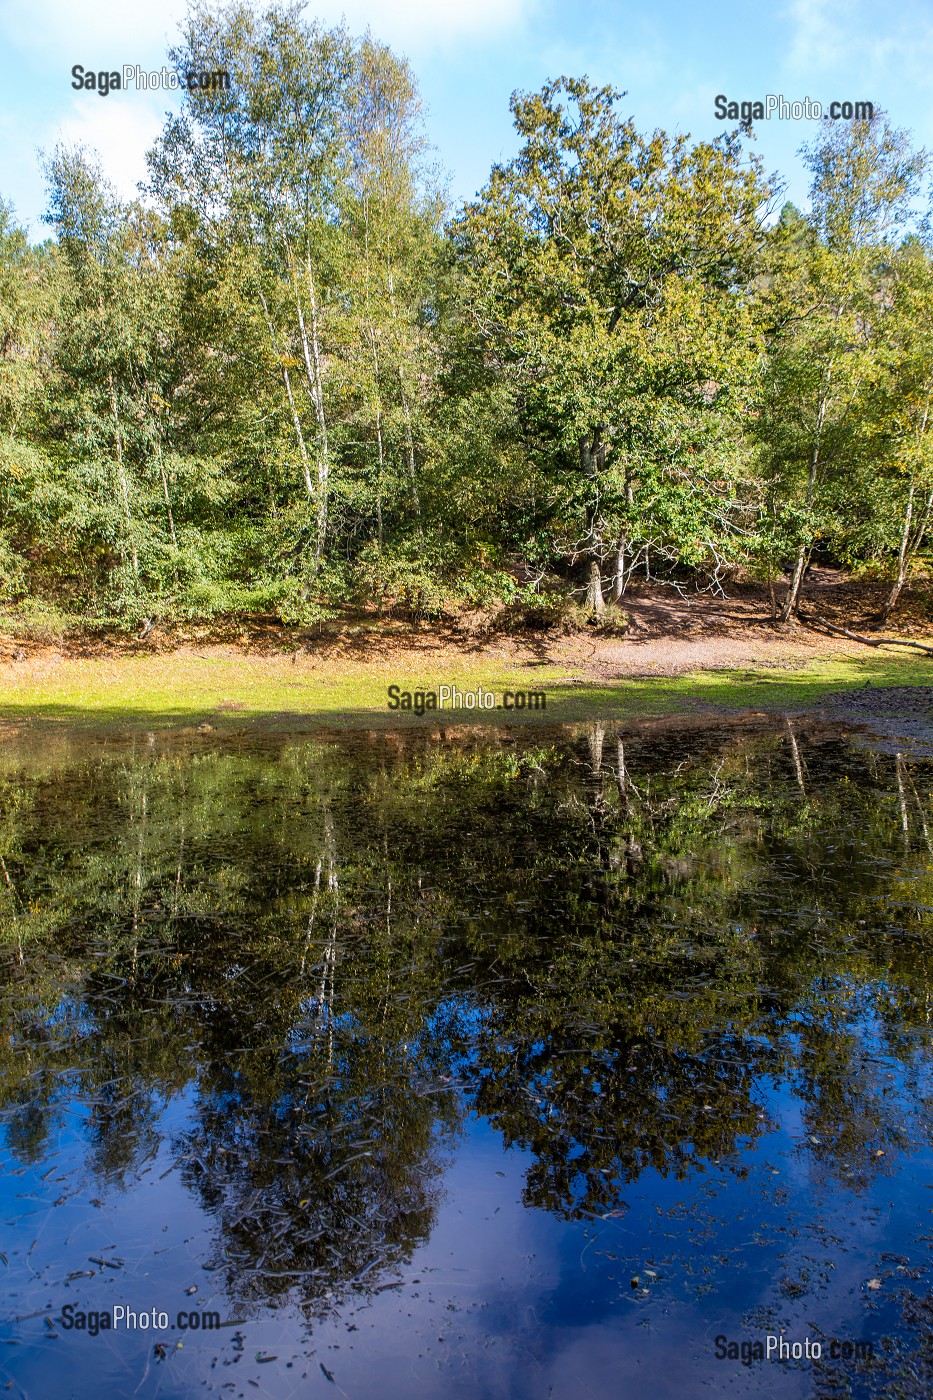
<point x="478" y="1063"/>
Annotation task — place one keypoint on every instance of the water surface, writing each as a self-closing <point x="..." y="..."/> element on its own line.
<point x="466" y="1063"/>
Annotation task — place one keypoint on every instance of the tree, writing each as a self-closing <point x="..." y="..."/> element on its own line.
<point x="30" y="287"/>
<point x="898" y="414"/>
<point x="817" y="306"/>
<point x="131" y="483"/>
<point x="395" y="249"/>
<point x="258" y="169"/>
<point x="605" y="271"/>
<point x="301" y="186"/>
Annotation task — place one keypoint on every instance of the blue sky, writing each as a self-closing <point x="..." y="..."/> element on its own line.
<point x="672" y="58"/>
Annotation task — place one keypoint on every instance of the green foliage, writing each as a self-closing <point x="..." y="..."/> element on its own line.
<point x="830" y="302"/>
<point x="605" y="271"/>
<point x="282" y="384"/>
<point x="423" y="579"/>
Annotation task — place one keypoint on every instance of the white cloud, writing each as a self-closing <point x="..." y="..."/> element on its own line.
<point x="22" y="179"/>
<point x="44" y="38"/>
<point x="419" y="25"/>
<point x="90" y="31"/>
<point x="818" y="32"/>
<point x="101" y="32"/>
<point x="121" y="128"/>
<point x="845" y="38"/>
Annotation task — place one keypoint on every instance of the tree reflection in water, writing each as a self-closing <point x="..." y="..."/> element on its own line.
<point x="607" y="943"/>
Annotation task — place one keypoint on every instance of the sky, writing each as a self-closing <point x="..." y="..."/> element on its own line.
<point x="670" y="57"/>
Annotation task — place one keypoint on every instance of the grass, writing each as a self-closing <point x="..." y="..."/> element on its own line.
<point x="190" y="689"/>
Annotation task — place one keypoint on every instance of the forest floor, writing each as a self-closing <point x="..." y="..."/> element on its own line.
<point x="679" y="653"/>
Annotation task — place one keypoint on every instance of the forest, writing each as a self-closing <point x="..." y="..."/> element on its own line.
<point x="289" y="378"/>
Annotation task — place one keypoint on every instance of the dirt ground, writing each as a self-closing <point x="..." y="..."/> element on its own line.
<point x="669" y="633"/>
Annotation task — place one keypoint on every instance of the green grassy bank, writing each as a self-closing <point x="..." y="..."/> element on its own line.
<point x="297" y="692"/>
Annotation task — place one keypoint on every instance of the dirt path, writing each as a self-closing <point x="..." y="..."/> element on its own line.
<point x="668" y="641"/>
<point x="671" y="634"/>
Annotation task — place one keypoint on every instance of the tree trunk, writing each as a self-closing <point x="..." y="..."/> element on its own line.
<point x="121" y="472"/>
<point x="410" y="445"/>
<point x="618" y="590"/>
<point x="168" y="500"/>
<point x="592" y="461"/>
<point x="793" y="593"/>
<point x="910" y="543"/>
<point x="406" y="411"/>
<point x="891" y="600"/>
<point x="772" y="596"/>
<point x="380" y="450"/>
<point x="121" y="469"/>
<point x="791" y="602"/>
<point x="594" y="588"/>
<point x="296" y="421"/>
<point x="901" y="560"/>
<point x="316" y="382"/>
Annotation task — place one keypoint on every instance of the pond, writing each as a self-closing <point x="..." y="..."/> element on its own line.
<point x="590" y="1061"/>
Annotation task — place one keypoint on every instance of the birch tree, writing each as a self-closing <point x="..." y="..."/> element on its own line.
<point x="261" y="169"/>
<point x="898" y="488"/>
<point x="818" y="306"/>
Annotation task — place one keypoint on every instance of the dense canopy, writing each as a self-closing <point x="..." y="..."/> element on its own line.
<point x="288" y="378"/>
